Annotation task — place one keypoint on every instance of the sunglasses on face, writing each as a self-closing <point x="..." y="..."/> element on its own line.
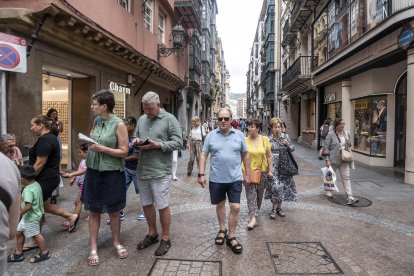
<point x="223" y="118"/>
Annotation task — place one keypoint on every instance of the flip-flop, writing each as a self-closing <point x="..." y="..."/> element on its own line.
<point x="73" y="226"/>
<point x="28" y="248"/>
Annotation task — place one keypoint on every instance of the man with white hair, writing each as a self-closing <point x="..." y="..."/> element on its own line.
<point x="159" y="134"/>
<point x="228" y="149"/>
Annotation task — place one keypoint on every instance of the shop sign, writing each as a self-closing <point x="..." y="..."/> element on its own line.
<point x="406" y="36"/>
<point x="12" y="53"/>
<point x="330" y="97"/>
<point x="119" y="87"/>
<point x="361" y="104"/>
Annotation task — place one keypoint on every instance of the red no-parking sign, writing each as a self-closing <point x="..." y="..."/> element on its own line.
<point x="12" y="53"/>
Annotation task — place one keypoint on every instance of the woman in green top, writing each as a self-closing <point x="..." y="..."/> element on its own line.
<point x="104" y="189"/>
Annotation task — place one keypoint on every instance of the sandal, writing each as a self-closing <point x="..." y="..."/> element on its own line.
<point x="163" y="248"/>
<point x="220" y="240"/>
<point x="93" y="259"/>
<point x="236" y="248"/>
<point x="280" y="212"/>
<point x="40" y="257"/>
<point x="147" y="242"/>
<point x="273" y="214"/>
<point x="121" y="251"/>
<point x="13" y="258"/>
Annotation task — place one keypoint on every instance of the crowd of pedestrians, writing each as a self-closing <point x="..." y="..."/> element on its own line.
<point x="145" y="152"/>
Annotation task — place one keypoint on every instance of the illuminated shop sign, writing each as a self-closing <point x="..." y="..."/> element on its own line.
<point x="363" y="104"/>
<point x="119" y="87"/>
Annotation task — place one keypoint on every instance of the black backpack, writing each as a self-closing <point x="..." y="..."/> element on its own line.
<point x="325" y="130"/>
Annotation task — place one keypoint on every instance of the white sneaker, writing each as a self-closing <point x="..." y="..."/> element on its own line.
<point x="351" y="200"/>
<point x="174" y="178"/>
<point x="141" y="217"/>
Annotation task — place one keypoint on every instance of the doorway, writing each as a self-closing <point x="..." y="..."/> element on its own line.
<point x="400" y="121"/>
<point x="55" y="95"/>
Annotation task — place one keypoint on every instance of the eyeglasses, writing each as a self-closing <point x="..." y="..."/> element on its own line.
<point x="223" y="118"/>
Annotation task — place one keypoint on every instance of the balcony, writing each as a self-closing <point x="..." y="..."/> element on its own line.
<point x="401" y="5"/>
<point x="298" y="77"/>
<point x="190" y="13"/>
<point x="298" y="17"/>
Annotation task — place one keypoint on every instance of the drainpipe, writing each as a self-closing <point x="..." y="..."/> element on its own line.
<point x="3" y="105"/>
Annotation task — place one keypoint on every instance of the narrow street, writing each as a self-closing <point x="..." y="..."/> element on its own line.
<point x="316" y="237"/>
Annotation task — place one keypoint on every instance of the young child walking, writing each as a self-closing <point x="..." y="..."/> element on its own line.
<point x="78" y="177"/>
<point x="32" y="212"/>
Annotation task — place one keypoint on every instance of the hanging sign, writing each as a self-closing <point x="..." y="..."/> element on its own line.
<point x="119" y="87"/>
<point x="12" y="53"/>
<point x="406" y="36"/>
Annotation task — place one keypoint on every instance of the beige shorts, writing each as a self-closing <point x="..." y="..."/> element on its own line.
<point x="155" y="191"/>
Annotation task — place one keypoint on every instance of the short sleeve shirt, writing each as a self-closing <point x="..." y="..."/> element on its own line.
<point x="33" y="194"/>
<point x="47" y="145"/>
<point x="226" y="155"/>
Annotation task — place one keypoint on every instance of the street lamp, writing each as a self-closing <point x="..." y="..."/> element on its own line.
<point x="178" y="34"/>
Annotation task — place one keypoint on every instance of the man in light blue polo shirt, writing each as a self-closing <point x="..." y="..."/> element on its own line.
<point x="228" y="149"/>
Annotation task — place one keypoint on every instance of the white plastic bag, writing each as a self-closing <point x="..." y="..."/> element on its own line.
<point x="329" y="179"/>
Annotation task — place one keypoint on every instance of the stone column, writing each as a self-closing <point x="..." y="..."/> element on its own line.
<point x="346" y="105"/>
<point x="409" y="153"/>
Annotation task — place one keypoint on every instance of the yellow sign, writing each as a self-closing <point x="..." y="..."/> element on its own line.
<point x="361" y="104"/>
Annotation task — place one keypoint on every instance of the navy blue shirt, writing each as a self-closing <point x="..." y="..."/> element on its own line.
<point x="131" y="165"/>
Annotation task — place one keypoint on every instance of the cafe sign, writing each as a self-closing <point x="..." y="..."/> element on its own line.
<point x="119" y="87"/>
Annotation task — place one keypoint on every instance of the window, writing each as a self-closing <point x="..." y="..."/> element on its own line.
<point x="148" y="14"/>
<point x="161" y="28"/>
<point x="125" y="3"/>
<point x="370" y="128"/>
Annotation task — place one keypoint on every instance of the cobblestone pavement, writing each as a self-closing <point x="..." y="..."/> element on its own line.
<point x="316" y="236"/>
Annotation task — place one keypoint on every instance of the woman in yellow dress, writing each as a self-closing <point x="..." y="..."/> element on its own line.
<point x="260" y="157"/>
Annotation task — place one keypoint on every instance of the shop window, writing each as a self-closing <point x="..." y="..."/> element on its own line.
<point x="370" y="129"/>
<point x="334" y="110"/>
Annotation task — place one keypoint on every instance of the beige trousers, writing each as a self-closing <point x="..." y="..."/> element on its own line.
<point x="344" y="171"/>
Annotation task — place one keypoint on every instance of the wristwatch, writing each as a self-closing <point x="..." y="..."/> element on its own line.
<point x="200" y="174"/>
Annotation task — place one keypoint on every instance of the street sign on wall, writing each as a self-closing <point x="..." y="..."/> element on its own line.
<point x="12" y="53"/>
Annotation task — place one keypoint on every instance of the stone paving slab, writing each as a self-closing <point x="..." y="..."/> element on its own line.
<point x="376" y="240"/>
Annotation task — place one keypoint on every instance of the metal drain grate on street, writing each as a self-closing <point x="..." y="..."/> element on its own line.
<point x="302" y="258"/>
<point x="170" y="267"/>
<point x="340" y="199"/>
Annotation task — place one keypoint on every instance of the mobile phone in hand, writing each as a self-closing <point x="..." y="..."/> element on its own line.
<point x="143" y="143"/>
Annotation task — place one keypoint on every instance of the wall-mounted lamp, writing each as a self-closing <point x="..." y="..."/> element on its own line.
<point x="178" y="35"/>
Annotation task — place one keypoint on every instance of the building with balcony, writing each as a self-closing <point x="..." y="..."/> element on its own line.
<point x="298" y="95"/>
<point x="241" y="108"/>
<point x="208" y="56"/>
<point x="219" y="98"/>
<point x="362" y="66"/>
<point x="75" y="49"/>
<point x="260" y="83"/>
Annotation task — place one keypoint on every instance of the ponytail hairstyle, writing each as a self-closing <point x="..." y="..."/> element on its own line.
<point x="48" y="123"/>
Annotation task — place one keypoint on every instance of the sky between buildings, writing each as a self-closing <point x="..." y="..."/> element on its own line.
<point x="236" y="24"/>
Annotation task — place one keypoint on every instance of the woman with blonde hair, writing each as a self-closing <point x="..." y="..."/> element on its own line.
<point x="260" y="157"/>
<point x="282" y="187"/>
<point x="195" y="144"/>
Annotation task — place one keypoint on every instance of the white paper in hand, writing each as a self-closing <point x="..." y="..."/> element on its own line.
<point x="86" y="139"/>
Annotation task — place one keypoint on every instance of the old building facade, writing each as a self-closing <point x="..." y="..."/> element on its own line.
<point x="76" y="49"/>
<point x="351" y="59"/>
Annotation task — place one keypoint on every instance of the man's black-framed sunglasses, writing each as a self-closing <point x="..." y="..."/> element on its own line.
<point x="223" y="118"/>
